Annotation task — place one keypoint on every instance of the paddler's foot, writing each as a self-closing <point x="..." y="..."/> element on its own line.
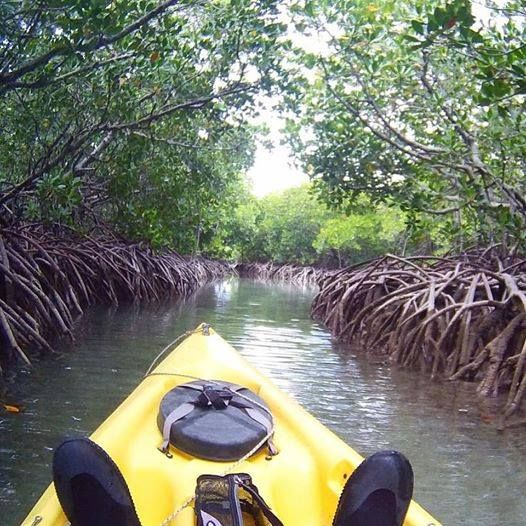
<point x="90" y="486"/>
<point x="378" y="492"/>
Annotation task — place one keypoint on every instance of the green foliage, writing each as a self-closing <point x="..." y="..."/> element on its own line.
<point x="240" y="239"/>
<point x="181" y="197"/>
<point x="295" y="227"/>
<point x="287" y="226"/>
<point x="131" y="114"/>
<point x="361" y="236"/>
<point x="416" y="102"/>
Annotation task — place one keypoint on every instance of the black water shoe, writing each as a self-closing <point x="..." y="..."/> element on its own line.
<point x="378" y="492"/>
<point x="90" y="486"/>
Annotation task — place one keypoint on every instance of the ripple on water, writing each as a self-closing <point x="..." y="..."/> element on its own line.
<point x="466" y="473"/>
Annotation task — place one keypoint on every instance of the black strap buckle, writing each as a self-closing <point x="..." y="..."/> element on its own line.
<point x="217" y="398"/>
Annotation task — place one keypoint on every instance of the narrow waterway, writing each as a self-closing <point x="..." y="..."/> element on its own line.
<point x="466" y="472"/>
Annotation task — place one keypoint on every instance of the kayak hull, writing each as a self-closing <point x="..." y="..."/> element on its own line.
<point x="302" y="484"/>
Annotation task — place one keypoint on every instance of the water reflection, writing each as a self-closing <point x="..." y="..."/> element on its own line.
<point x="466" y="473"/>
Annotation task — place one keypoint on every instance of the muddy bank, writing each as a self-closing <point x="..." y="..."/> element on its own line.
<point x="455" y="318"/>
<point x="47" y="280"/>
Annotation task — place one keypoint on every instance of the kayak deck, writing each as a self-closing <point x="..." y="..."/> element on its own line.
<point x="302" y="484"/>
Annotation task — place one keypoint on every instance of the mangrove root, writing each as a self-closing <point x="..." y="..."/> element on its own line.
<point x="295" y="274"/>
<point x="47" y="280"/>
<point x="458" y="317"/>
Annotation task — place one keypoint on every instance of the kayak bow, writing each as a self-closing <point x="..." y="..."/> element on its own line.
<point x="302" y="483"/>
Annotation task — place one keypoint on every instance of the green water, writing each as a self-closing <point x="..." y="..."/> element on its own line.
<point x="466" y="472"/>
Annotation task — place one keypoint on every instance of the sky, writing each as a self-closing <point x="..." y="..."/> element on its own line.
<point x="273" y="171"/>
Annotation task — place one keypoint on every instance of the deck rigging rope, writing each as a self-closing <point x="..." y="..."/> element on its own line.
<point x="231" y="468"/>
<point x="155" y="361"/>
<point x="187" y="502"/>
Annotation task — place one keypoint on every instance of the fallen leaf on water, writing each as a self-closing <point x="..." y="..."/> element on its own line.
<point x="12" y="408"/>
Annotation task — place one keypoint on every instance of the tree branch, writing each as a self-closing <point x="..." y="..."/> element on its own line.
<point x="8" y="79"/>
<point x="168" y="109"/>
<point x="46" y="81"/>
<point x="372" y="102"/>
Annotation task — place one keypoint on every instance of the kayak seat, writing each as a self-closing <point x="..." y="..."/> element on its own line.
<point x="90" y="486"/>
<point x="213" y="420"/>
<point x="377" y="493"/>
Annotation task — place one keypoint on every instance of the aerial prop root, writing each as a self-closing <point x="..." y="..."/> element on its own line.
<point x="48" y="280"/>
<point x="301" y="275"/>
<point x="459" y="318"/>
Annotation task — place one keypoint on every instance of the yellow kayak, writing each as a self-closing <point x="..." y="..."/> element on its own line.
<point x="301" y="480"/>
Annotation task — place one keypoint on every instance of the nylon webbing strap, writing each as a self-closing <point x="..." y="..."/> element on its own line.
<point x="184" y="409"/>
<point x="259" y="417"/>
<point x="266" y="423"/>
<point x="174" y="416"/>
<point x="263" y="506"/>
